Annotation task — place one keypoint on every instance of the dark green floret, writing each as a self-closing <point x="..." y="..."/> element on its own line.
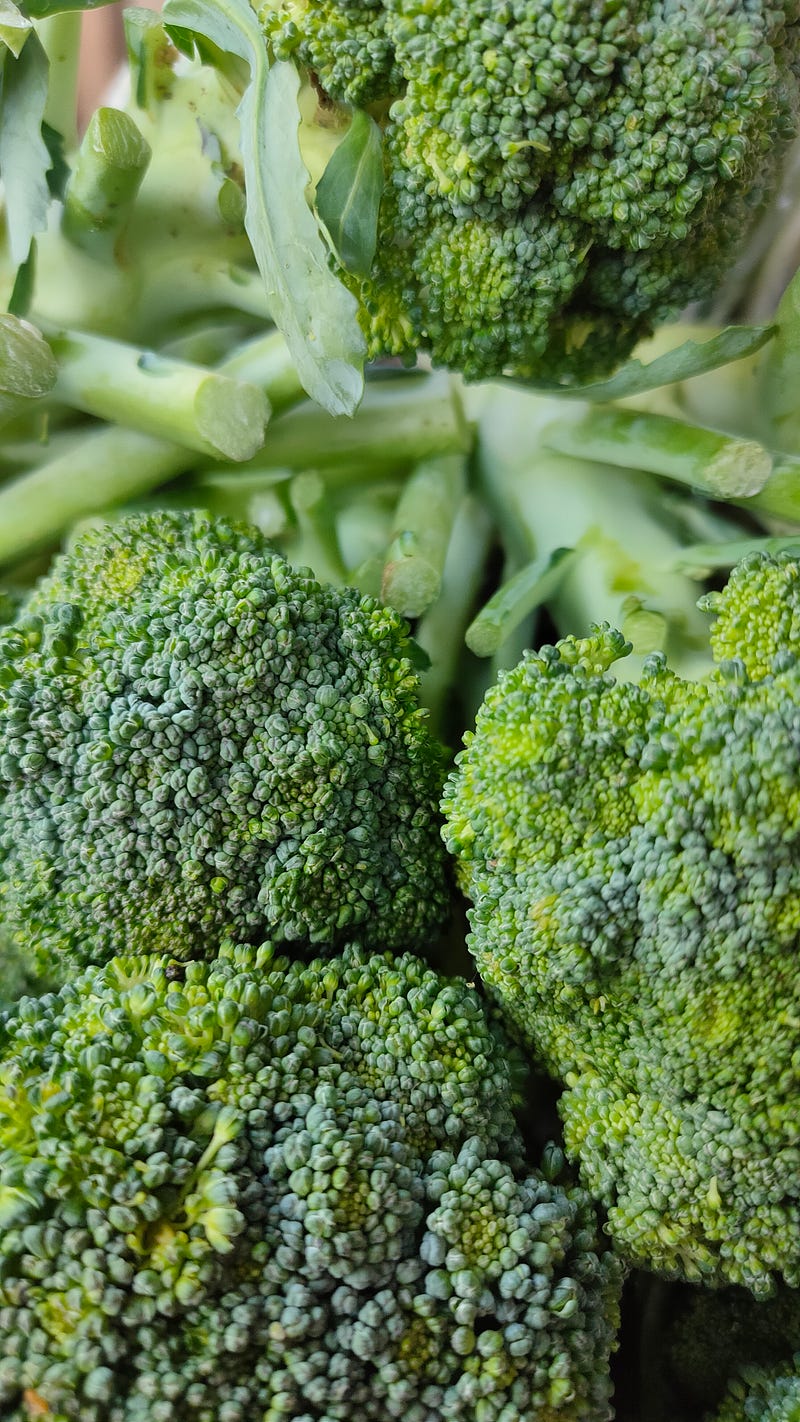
<point x="196" y="737"/>
<point x="256" y="1188"/>
<point x="632" y="854"/>
<point x="572" y="172"/>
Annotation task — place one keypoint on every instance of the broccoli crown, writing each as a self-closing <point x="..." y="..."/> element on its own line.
<point x="631" y="851"/>
<point x="643" y="133"/>
<point x="284" y="1190"/>
<point x="763" y="1395"/>
<point x="196" y="737"/>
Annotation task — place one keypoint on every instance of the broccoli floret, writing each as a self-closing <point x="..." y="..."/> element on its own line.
<point x="631" y="851"/>
<point x="763" y="1395"/>
<point x="285" y="1190"/>
<point x="645" y="136"/>
<point x="757" y="613"/>
<point x="712" y="1331"/>
<point x="195" y="738"/>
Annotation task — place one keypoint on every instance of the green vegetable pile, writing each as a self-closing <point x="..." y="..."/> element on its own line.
<point x="400" y="714"/>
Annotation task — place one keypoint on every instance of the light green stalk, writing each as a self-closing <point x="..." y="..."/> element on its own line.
<point x="108" y="468"/>
<point x="713" y="463"/>
<point x="440" y="632"/>
<point x="522" y="594"/>
<point x="614" y="518"/>
<point x="423" y="526"/>
<point x="105" y="180"/>
<point x="186" y="404"/>
<point x="315" y="544"/>
<point x="402" y="420"/>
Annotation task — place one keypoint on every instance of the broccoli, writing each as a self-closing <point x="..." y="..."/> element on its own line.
<point x="630" y="850"/>
<point x="558" y="177"/>
<point x="712" y="1331"/>
<point x="267" y="1188"/>
<point x="763" y="1395"/>
<point x="197" y="738"/>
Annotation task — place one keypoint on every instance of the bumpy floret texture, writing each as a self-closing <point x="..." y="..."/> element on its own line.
<point x="287" y="1191"/>
<point x="762" y="1395"/>
<point x="757" y="613"/>
<point x="632" y="851"/>
<point x="712" y="1331"/>
<point x="196" y="737"/>
<point x="647" y="133"/>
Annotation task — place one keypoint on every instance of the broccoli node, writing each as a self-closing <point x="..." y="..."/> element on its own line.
<point x="632" y="851"/>
<point x="290" y="1191"/>
<point x="646" y="134"/>
<point x="196" y="738"/>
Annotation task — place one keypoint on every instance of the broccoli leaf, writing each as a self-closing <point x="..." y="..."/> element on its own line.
<point x="24" y="157"/>
<point x="315" y="312"/>
<point x="349" y="194"/>
<point x="14" y="27"/>
<point x="687" y="360"/>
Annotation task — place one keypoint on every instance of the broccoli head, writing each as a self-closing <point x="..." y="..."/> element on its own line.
<point x="575" y="172"/>
<point x="196" y="738"/>
<point x="256" y="1188"/>
<point x="631" y="851"/>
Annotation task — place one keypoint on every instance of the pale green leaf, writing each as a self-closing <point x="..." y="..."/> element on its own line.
<point x="315" y="312"/>
<point x="24" y="156"/>
<point x="687" y="360"/>
<point x="14" y="27"/>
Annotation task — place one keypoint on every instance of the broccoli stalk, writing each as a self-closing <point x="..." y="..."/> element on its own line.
<point x="616" y="521"/>
<point x="113" y="464"/>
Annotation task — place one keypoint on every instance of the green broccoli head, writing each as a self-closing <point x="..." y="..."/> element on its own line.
<point x="763" y="1395"/>
<point x="256" y="1188"/>
<point x="631" y="851"/>
<point x="195" y="738"/>
<point x="646" y="135"/>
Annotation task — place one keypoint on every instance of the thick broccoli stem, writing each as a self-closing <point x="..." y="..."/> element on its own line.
<point x="105" y="180"/>
<point x="423" y="524"/>
<point x="706" y="460"/>
<point x="616" y="518"/>
<point x="187" y="404"/>
<point x="111" y="466"/>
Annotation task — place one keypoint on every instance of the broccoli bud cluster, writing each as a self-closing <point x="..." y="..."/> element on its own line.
<point x="197" y="738"/>
<point x="631" y="850"/>
<point x="255" y="1188"/>
<point x="559" y="175"/>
